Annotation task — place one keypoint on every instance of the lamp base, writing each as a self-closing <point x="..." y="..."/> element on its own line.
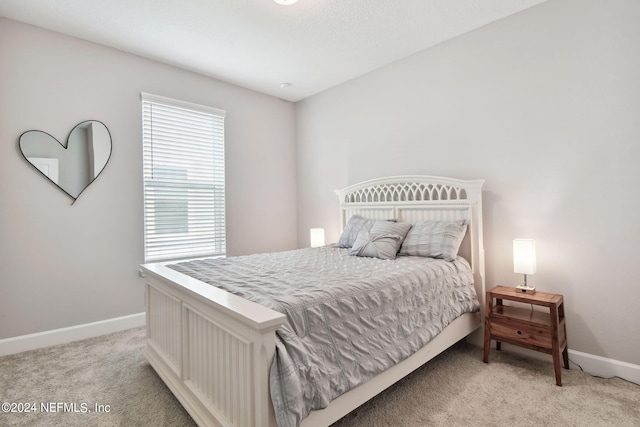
<point x="524" y="289"/>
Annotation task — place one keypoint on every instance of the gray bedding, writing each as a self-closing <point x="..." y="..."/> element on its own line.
<point x="348" y="318"/>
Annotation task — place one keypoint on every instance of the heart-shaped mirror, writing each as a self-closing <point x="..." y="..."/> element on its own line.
<point x="74" y="166"/>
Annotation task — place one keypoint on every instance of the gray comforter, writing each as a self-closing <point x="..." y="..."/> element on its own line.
<point x="348" y="318"/>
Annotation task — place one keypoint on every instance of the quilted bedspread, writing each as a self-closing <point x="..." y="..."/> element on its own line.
<point x="348" y="318"/>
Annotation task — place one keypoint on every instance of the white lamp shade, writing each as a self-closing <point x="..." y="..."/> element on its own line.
<point x="524" y="256"/>
<point x="317" y="237"/>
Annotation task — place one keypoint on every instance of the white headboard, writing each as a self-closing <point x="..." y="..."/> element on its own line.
<point x="422" y="198"/>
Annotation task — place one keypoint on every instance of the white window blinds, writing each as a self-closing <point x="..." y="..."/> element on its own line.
<point x="184" y="191"/>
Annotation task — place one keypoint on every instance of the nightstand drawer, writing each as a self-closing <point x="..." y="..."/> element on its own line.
<point x="521" y="333"/>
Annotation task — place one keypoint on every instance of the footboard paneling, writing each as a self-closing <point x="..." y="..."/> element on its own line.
<point x="211" y="348"/>
<point x="218" y="363"/>
<point x="164" y="326"/>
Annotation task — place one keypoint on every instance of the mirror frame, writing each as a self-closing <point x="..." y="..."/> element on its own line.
<point x="65" y="147"/>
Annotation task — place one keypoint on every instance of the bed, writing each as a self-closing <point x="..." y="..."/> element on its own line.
<point x="214" y="349"/>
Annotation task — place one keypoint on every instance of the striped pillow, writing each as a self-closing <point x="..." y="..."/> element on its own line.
<point x="435" y="239"/>
<point x="355" y="225"/>
<point x="382" y="241"/>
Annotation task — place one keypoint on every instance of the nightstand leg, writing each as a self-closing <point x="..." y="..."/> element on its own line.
<point x="485" y="355"/>
<point x="555" y="345"/>
<point x="556" y="367"/>
<point x="563" y="322"/>
<point x="487" y="328"/>
<point x="498" y="343"/>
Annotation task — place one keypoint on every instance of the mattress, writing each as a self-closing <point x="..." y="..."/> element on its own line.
<point x="348" y="318"/>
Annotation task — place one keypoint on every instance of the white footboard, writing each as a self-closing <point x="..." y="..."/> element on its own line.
<point x="211" y="348"/>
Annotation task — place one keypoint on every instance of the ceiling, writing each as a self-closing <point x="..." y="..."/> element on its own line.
<point x="312" y="45"/>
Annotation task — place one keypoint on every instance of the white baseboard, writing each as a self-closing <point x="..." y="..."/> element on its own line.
<point x="604" y="367"/>
<point x="595" y="365"/>
<point x="73" y="333"/>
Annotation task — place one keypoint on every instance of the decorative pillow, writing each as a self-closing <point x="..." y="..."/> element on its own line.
<point x="382" y="241"/>
<point x="356" y="224"/>
<point x="391" y="227"/>
<point x="435" y="239"/>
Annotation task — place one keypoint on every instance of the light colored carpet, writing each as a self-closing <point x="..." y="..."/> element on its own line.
<point x="455" y="389"/>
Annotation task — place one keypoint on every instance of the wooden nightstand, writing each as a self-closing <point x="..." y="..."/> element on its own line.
<point x="535" y="330"/>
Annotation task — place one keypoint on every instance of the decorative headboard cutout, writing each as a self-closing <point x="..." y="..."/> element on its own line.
<point x="406" y="192"/>
<point x="74" y="166"/>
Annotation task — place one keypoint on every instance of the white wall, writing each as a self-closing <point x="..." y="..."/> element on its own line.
<point x="545" y="106"/>
<point x="63" y="265"/>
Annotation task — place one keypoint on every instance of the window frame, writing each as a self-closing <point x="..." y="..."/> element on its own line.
<point x="178" y="178"/>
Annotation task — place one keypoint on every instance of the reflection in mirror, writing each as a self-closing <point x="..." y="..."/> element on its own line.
<point x="47" y="166"/>
<point x="74" y="166"/>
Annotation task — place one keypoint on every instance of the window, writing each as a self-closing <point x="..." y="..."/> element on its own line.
<point x="183" y="156"/>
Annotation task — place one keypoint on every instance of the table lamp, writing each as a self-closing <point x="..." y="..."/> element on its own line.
<point x="317" y="237"/>
<point x="524" y="262"/>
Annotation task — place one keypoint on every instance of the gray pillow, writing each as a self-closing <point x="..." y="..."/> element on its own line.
<point x="355" y="225"/>
<point x="435" y="239"/>
<point x="382" y="241"/>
